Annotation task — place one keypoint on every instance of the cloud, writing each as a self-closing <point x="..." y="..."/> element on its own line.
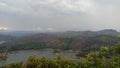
<point x="60" y="14"/>
<point x="3" y="4"/>
<point x="47" y="6"/>
<point x="3" y="28"/>
<point x="50" y="29"/>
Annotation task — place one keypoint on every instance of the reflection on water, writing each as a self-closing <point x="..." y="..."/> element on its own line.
<point x="1" y="42"/>
<point x="23" y="55"/>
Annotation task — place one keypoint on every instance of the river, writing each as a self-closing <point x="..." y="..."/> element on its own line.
<point x="23" y="55"/>
<point x="1" y="42"/>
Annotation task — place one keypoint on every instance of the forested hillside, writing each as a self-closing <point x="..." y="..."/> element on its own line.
<point x="80" y="43"/>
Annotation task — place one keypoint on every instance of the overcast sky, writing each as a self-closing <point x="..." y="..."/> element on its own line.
<point x="60" y="15"/>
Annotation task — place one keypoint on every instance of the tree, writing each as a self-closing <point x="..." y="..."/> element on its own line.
<point x="3" y="58"/>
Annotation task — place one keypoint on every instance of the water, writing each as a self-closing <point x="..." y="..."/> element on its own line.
<point x="1" y="42"/>
<point x="23" y="55"/>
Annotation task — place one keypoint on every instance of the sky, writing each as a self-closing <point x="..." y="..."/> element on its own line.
<point x="59" y="15"/>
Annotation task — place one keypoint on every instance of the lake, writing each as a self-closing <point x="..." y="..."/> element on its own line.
<point x="1" y="42"/>
<point x="23" y="55"/>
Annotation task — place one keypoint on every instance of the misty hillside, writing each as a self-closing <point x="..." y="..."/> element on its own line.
<point x="17" y="33"/>
<point x="81" y="40"/>
<point x="89" y="33"/>
<point x="6" y="37"/>
<point x="66" y="33"/>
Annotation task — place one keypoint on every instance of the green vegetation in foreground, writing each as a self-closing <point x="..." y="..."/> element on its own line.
<point x="95" y="59"/>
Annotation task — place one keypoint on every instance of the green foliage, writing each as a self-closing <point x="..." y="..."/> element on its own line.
<point x="82" y="54"/>
<point x="42" y="62"/>
<point x="117" y="48"/>
<point x="16" y="65"/>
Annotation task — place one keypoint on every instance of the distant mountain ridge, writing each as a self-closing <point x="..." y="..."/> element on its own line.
<point x="6" y="37"/>
<point x="18" y="33"/>
<point x="67" y="33"/>
<point x="89" y="33"/>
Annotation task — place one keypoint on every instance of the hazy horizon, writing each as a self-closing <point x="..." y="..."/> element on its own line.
<point x="59" y="15"/>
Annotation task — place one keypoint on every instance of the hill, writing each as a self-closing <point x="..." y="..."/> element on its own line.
<point x="18" y="33"/>
<point x="88" y="33"/>
<point x="81" y="41"/>
<point x="6" y="37"/>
